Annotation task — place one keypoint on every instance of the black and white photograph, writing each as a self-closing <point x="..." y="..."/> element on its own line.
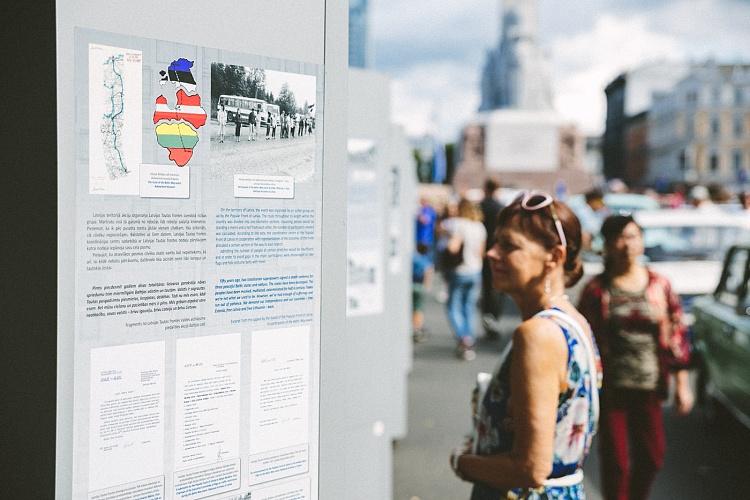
<point x="262" y="122"/>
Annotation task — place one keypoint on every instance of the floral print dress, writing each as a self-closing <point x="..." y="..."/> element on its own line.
<point x="577" y="413"/>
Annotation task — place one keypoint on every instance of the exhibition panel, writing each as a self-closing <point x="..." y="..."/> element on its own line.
<point x="192" y="170"/>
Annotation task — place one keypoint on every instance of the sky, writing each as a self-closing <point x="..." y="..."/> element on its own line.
<point x="434" y="51"/>
<point x="303" y="86"/>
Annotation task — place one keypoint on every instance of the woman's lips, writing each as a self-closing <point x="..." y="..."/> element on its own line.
<point x="496" y="269"/>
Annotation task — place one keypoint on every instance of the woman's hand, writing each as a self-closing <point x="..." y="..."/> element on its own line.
<point x="454" y="461"/>
<point x="683" y="394"/>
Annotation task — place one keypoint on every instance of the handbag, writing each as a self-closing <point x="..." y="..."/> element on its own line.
<point x="451" y="260"/>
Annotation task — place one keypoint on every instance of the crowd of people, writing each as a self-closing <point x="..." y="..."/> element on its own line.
<point x="288" y="125"/>
<point x="604" y="363"/>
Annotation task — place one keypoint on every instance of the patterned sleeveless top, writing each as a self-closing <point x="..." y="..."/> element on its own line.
<point x="577" y="412"/>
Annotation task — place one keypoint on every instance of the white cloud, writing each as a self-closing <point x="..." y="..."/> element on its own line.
<point x="707" y="28"/>
<point x="434" y="51"/>
<point x="435" y="98"/>
<point x="441" y="26"/>
<point x="585" y="63"/>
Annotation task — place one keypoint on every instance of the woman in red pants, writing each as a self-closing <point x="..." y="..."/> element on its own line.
<point x="637" y="321"/>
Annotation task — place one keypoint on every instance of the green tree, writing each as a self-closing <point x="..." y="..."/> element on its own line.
<point x="228" y="79"/>
<point x="286" y="100"/>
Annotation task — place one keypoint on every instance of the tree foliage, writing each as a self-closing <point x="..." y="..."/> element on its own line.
<point x="236" y="80"/>
<point x="228" y="79"/>
<point x="286" y="100"/>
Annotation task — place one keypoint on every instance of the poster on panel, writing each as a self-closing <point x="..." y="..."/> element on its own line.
<point x="365" y="289"/>
<point x="198" y="206"/>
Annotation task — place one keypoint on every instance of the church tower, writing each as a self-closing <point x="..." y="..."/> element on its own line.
<point x="516" y="75"/>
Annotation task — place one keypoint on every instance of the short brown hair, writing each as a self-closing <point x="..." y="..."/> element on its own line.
<point x="539" y="225"/>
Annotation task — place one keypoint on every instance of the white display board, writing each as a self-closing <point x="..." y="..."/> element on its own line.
<point x="190" y="300"/>
<point x="365" y="289"/>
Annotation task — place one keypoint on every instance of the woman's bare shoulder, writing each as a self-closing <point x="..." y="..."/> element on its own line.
<point x="538" y="333"/>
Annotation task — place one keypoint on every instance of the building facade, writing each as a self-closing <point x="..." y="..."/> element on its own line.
<point x="629" y="95"/>
<point x="700" y="130"/>
<point x="359" y="46"/>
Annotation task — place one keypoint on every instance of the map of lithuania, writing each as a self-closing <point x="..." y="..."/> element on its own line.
<point x="112" y="119"/>
<point x="177" y="129"/>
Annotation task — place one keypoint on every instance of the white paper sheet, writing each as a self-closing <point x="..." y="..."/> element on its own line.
<point x="207" y="400"/>
<point x="126" y="414"/>
<point x="294" y="490"/>
<point x="280" y="380"/>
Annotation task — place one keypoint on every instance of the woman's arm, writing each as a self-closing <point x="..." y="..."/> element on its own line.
<point x="683" y="393"/>
<point x="678" y="343"/>
<point x="537" y="371"/>
<point x="590" y="306"/>
<point x="680" y="347"/>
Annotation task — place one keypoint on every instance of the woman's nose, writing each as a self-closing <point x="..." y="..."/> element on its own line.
<point x="493" y="253"/>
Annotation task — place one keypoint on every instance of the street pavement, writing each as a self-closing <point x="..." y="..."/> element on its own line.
<point x="706" y="458"/>
<point x="291" y="156"/>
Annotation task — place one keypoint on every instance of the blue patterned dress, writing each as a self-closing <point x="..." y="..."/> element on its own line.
<point x="576" y="419"/>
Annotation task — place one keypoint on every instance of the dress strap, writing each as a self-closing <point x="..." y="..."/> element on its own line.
<point x="588" y="346"/>
<point x="565" y="481"/>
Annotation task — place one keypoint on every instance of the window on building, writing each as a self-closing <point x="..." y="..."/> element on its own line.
<point x="738" y="126"/>
<point x="691" y="97"/>
<point x="682" y="160"/>
<point x="716" y="94"/>
<point x="715" y="126"/>
<point x="737" y="160"/>
<point x="738" y="95"/>
<point x="714" y="162"/>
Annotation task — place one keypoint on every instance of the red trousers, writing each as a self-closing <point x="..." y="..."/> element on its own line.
<point x="632" y="442"/>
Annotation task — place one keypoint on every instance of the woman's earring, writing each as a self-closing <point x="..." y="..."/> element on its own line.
<point x="547" y="286"/>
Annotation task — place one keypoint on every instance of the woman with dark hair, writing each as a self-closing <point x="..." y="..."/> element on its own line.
<point x="637" y="321"/>
<point x="539" y="413"/>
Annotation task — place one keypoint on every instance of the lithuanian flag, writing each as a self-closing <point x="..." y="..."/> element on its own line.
<point x="179" y="138"/>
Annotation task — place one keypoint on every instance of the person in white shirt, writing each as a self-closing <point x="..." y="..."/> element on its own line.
<point x="467" y="245"/>
<point x="221" y="115"/>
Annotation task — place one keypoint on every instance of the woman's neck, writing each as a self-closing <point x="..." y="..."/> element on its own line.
<point x="625" y="268"/>
<point x="532" y="301"/>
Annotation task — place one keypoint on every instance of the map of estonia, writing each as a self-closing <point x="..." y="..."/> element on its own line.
<point x="177" y="129"/>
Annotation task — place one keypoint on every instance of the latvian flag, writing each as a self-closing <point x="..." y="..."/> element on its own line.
<point x="188" y="108"/>
<point x="179" y="73"/>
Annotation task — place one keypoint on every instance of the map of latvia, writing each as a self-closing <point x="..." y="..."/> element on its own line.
<point x="188" y="108"/>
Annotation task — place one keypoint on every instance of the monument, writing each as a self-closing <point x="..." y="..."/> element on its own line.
<point x="516" y="74"/>
<point x="516" y="134"/>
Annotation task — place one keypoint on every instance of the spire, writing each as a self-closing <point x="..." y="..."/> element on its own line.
<point x="519" y="19"/>
<point x="515" y="73"/>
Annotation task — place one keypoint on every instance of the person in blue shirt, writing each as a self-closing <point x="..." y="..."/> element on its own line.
<point x="426" y="220"/>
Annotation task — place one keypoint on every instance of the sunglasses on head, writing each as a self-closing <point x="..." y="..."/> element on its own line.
<point x="537" y="200"/>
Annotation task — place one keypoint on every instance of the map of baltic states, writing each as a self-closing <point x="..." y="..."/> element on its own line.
<point x="177" y="129"/>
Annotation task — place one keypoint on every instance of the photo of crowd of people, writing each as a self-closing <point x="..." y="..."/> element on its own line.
<point x="262" y="119"/>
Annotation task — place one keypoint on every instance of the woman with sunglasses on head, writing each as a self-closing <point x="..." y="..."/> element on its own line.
<point x="637" y="322"/>
<point x="539" y="413"/>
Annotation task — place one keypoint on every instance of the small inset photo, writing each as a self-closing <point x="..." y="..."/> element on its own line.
<point x="262" y="122"/>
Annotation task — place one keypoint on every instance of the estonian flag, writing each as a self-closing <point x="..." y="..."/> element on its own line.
<point x="179" y="73"/>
